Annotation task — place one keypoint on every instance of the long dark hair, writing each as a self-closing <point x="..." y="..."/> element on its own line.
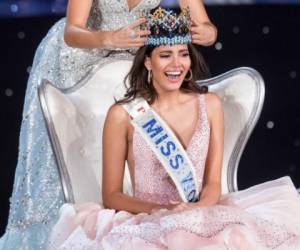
<point x="137" y="76"/>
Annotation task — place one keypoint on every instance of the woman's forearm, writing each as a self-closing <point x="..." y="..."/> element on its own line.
<point x="210" y="195"/>
<point x="211" y="34"/>
<point x="120" y="201"/>
<point x="204" y="34"/>
<point x="203" y="31"/>
<point x="83" y="38"/>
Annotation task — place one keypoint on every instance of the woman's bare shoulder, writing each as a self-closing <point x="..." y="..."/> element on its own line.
<point x="214" y="106"/>
<point x="117" y="114"/>
<point x="213" y="101"/>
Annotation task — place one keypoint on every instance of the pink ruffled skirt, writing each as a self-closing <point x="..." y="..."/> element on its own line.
<point x="265" y="216"/>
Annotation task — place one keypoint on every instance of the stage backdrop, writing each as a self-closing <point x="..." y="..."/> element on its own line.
<point x="17" y="8"/>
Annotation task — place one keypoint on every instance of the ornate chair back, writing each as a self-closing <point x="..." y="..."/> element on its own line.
<point x="75" y="118"/>
<point x="242" y="91"/>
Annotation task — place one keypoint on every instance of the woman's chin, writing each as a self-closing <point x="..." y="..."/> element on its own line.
<point x="173" y="87"/>
<point x="170" y="85"/>
<point x="174" y="83"/>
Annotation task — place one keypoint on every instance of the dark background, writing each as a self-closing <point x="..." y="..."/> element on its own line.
<point x="264" y="37"/>
<point x="15" y="8"/>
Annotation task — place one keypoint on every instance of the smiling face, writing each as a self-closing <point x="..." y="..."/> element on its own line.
<point x="169" y="66"/>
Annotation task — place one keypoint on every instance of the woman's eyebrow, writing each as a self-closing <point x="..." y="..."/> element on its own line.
<point x="170" y="51"/>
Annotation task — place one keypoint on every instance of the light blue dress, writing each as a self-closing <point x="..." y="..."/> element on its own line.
<point x="37" y="193"/>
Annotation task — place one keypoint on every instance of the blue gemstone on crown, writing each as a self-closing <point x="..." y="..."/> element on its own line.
<point x="167" y="28"/>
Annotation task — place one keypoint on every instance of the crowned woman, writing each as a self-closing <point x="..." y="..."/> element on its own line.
<point x="171" y="132"/>
<point x="93" y="34"/>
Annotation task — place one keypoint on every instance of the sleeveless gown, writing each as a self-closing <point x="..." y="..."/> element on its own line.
<point x="37" y="193"/>
<point x="265" y="216"/>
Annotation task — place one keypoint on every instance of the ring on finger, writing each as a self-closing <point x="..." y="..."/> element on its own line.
<point x="132" y="34"/>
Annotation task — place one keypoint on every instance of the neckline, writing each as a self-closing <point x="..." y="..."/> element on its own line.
<point x="196" y="128"/>
<point x="133" y="7"/>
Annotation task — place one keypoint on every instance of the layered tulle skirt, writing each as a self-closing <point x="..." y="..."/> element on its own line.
<point x="265" y="216"/>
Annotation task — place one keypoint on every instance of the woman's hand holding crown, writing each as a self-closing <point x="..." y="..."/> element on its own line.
<point x="128" y="36"/>
<point x="203" y="33"/>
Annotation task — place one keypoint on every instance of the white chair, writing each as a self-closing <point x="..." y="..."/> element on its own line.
<point x="75" y="117"/>
<point x="242" y="91"/>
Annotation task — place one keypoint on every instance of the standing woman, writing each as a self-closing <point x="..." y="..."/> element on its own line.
<point x="74" y="45"/>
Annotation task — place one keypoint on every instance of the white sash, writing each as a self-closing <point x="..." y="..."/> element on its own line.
<point x="166" y="147"/>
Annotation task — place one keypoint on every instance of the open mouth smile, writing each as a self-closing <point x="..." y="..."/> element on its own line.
<point x="173" y="76"/>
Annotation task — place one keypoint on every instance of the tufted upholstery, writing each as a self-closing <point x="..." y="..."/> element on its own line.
<point x="75" y="118"/>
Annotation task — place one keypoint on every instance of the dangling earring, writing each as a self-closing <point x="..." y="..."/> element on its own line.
<point x="149" y="78"/>
<point x="190" y="77"/>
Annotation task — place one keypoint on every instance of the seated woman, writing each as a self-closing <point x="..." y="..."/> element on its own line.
<point x="171" y="134"/>
<point x="94" y="34"/>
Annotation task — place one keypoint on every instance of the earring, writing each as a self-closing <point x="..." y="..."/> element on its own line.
<point x="149" y="78"/>
<point x="190" y="77"/>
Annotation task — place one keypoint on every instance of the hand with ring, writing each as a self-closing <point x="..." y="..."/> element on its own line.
<point x="132" y="34"/>
<point x="129" y="36"/>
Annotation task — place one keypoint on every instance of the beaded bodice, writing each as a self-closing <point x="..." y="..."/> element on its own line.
<point x="152" y="183"/>
<point x="114" y="14"/>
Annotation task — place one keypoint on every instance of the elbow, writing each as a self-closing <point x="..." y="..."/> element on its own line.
<point x="108" y="200"/>
<point x="68" y="38"/>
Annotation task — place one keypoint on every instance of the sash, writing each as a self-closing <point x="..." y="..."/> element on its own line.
<point x="165" y="146"/>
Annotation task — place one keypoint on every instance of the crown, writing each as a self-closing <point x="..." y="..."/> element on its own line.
<point x="167" y="28"/>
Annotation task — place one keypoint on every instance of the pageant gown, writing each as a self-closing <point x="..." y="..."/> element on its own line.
<point x="37" y="193"/>
<point x="265" y="216"/>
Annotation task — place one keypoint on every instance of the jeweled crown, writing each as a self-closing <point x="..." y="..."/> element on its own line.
<point x="167" y="28"/>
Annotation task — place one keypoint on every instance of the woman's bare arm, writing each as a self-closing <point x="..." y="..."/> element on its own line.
<point x="203" y="31"/>
<point x="211" y="190"/>
<point x="115" y="141"/>
<point x="77" y="35"/>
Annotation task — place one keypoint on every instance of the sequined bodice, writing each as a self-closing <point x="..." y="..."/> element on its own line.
<point x="152" y="182"/>
<point x="116" y="13"/>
